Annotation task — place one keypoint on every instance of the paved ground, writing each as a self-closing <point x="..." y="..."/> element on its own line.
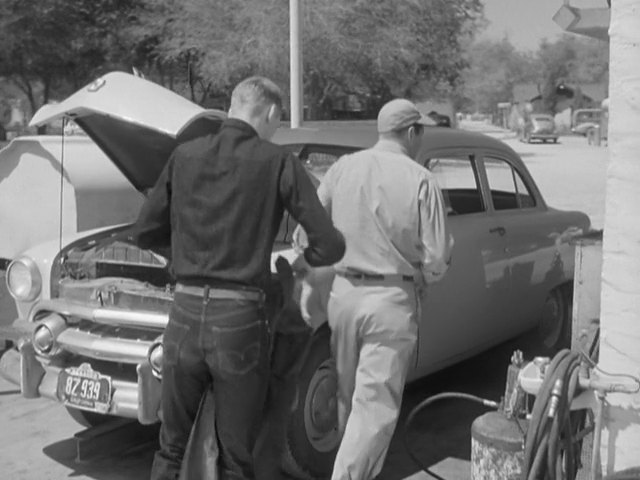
<point x="36" y="435"/>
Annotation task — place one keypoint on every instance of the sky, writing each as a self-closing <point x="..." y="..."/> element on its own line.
<point x="527" y="22"/>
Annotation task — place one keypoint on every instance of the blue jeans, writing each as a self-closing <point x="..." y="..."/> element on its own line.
<point x="221" y="341"/>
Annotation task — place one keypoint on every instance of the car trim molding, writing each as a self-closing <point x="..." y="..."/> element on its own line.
<point x="106" y="316"/>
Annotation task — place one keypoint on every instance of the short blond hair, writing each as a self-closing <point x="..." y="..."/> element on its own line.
<point x="256" y="94"/>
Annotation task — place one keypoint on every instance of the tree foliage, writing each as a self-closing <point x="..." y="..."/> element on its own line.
<point x="496" y="66"/>
<point x="570" y="60"/>
<point x="374" y="48"/>
<point x="54" y="47"/>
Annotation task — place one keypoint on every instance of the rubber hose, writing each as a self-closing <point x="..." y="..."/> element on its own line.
<point x="546" y="430"/>
<point x="424" y="404"/>
<point x="550" y="432"/>
<point x="538" y="419"/>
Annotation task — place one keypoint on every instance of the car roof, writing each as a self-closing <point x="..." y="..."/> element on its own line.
<point x="364" y="135"/>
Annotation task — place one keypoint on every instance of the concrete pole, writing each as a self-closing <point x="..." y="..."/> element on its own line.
<point x="295" y="60"/>
<point x="620" y="299"/>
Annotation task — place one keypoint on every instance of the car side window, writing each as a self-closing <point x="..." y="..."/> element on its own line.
<point x="458" y="181"/>
<point x="508" y="189"/>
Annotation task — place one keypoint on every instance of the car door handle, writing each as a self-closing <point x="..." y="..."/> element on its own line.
<point x="499" y="230"/>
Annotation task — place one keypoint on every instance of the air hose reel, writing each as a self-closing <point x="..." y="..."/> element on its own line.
<point x="547" y="442"/>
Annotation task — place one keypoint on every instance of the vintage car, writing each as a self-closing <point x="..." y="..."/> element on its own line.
<point x="539" y="126"/>
<point x="91" y="321"/>
<point x="585" y="119"/>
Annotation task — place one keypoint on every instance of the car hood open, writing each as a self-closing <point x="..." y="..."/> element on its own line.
<point x="137" y="123"/>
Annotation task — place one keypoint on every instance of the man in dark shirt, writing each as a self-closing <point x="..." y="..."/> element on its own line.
<point x="218" y="204"/>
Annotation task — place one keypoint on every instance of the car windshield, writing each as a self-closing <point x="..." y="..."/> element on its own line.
<point x="543" y="120"/>
<point x="583" y="117"/>
<point x="317" y="158"/>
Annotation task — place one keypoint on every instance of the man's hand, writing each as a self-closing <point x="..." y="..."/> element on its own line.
<point x="299" y="242"/>
<point x="300" y="267"/>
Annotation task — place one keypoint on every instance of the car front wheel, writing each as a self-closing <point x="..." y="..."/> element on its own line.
<point x="312" y="433"/>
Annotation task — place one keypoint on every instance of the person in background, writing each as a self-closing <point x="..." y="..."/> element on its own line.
<point x="392" y="214"/>
<point x="218" y="204"/>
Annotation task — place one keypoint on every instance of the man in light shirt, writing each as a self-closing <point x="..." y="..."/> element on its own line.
<point x="392" y="215"/>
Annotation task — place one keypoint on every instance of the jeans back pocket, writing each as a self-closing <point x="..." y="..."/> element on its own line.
<point x="239" y="349"/>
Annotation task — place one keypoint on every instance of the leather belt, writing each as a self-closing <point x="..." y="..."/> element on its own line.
<point x="220" y="293"/>
<point x="375" y="276"/>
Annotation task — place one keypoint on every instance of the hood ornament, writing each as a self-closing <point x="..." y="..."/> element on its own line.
<point x="96" y="85"/>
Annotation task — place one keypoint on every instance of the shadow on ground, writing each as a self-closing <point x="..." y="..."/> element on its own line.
<point x="129" y="465"/>
<point x="440" y="434"/>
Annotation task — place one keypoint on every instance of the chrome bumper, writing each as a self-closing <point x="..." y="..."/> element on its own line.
<point x="103" y="348"/>
<point x="139" y="400"/>
<point x="543" y="135"/>
<point x="103" y="315"/>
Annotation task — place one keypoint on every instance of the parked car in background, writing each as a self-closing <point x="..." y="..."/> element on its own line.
<point x="539" y="126"/>
<point x="440" y="119"/>
<point x="91" y="319"/>
<point x="585" y="119"/>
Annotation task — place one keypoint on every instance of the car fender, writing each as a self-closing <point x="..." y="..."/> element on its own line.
<point x="44" y="255"/>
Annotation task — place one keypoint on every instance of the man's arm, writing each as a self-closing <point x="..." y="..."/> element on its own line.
<point x="153" y="226"/>
<point x="325" y="243"/>
<point x="436" y="240"/>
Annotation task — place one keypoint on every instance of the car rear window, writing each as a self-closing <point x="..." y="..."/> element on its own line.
<point x="458" y="181"/>
<point x="508" y="188"/>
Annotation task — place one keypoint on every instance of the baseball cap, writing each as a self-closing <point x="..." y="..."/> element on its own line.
<point x="398" y="114"/>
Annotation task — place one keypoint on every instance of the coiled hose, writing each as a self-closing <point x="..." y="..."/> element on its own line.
<point x="424" y="404"/>
<point x="551" y="451"/>
<point x="550" y="447"/>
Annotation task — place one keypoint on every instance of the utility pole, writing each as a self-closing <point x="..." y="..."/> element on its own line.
<point x="295" y="61"/>
<point x="620" y="300"/>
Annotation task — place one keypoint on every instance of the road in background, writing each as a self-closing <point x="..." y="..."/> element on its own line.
<point x="570" y="174"/>
<point x="36" y="440"/>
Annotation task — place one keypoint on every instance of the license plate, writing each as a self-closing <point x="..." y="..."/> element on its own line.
<point x="82" y="387"/>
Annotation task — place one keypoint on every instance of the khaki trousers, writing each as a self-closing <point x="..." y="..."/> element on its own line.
<point x="374" y="334"/>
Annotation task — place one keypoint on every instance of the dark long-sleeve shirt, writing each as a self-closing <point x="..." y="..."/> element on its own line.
<point x="219" y="202"/>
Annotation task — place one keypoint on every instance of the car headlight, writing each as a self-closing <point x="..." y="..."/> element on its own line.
<point x="24" y="281"/>
<point x="154" y="356"/>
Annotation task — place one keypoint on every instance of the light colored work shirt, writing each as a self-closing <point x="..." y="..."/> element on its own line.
<point x="391" y="212"/>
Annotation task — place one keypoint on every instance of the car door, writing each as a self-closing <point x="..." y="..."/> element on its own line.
<point x="520" y="212"/>
<point x="456" y="312"/>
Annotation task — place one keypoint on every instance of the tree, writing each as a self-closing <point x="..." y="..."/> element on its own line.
<point x="416" y="48"/>
<point x="53" y="49"/>
<point x="571" y="60"/>
<point x="202" y="48"/>
<point x="494" y="68"/>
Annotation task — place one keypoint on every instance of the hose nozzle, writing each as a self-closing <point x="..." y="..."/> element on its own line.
<point x="556" y="393"/>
